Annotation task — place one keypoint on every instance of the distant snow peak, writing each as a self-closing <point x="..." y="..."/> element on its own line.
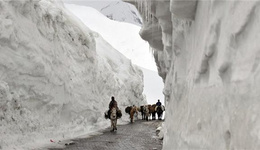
<point x="113" y="9"/>
<point x="121" y="11"/>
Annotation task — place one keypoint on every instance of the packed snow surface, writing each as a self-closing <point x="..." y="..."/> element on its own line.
<point x="56" y="75"/>
<point x="209" y="61"/>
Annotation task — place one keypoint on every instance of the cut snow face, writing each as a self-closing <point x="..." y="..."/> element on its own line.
<point x="56" y="75"/>
<point x="208" y="57"/>
<point x="125" y="38"/>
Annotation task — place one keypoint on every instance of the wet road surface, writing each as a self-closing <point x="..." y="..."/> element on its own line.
<point x="140" y="135"/>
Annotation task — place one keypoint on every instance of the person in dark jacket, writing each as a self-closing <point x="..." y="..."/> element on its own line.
<point x="113" y="103"/>
<point x="158" y="103"/>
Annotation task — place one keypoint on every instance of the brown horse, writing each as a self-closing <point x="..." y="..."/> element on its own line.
<point x="132" y="112"/>
<point x="152" y="111"/>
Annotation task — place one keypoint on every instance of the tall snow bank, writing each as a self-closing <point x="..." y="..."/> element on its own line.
<point x="211" y="81"/>
<point x="56" y="76"/>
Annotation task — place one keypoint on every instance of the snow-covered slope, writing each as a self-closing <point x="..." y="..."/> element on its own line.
<point x="113" y="9"/>
<point x="56" y="75"/>
<point x="124" y="37"/>
<point x="207" y="53"/>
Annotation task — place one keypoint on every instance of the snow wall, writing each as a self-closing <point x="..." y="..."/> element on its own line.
<point x="208" y="54"/>
<point x="57" y="76"/>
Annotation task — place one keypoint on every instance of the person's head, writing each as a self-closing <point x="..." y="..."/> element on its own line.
<point x="112" y="98"/>
<point x="158" y="100"/>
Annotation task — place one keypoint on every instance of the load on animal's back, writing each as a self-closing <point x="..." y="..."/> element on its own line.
<point x="128" y="109"/>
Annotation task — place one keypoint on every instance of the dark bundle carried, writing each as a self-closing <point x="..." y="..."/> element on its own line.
<point x="128" y="109"/>
<point x="106" y="115"/>
<point x="119" y="114"/>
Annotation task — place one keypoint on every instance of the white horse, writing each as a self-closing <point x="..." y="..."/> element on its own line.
<point x="146" y="112"/>
<point x="113" y="118"/>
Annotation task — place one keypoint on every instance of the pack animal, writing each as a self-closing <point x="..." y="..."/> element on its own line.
<point x="141" y="109"/>
<point x="152" y="110"/>
<point x="159" y="110"/>
<point x="132" y="112"/>
<point x="113" y="119"/>
<point x="146" y="112"/>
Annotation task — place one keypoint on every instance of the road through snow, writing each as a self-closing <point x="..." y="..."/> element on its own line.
<point x="140" y="135"/>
